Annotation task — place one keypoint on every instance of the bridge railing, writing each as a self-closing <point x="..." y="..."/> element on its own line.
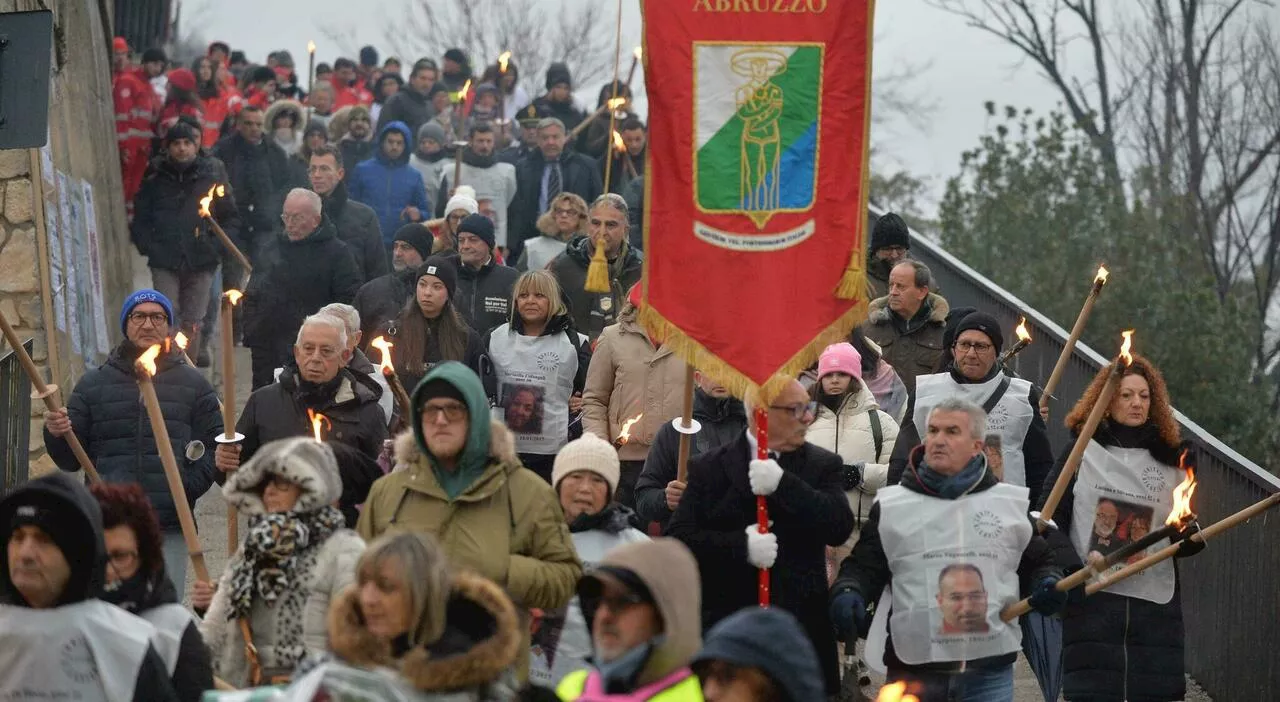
<point x="1230" y="591"/>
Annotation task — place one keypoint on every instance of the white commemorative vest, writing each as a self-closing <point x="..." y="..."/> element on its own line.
<point x="88" y="651"/>
<point x="171" y="622"/>
<point x="933" y="546"/>
<point x="541" y="367"/>
<point x="1008" y="420"/>
<point x="1116" y="490"/>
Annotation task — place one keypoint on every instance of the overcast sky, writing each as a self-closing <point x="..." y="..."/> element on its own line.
<point x="963" y="66"/>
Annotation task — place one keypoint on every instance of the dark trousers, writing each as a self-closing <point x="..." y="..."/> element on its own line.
<point x="627" y="483"/>
<point x="540" y="464"/>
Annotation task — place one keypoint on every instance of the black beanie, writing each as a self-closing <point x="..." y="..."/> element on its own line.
<point x="458" y="56"/>
<point x="954" y="317"/>
<point x="558" y="73"/>
<point x="368" y="56"/>
<point x="985" y="323"/>
<point x="418" y="236"/>
<point x="154" y="54"/>
<point x="436" y="387"/>
<point x="479" y="225"/>
<point x="182" y="130"/>
<point x="890" y="230"/>
<point x="441" y="268"/>
<point x="262" y="74"/>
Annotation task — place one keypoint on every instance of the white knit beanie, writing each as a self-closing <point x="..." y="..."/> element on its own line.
<point x="588" y="453"/>
<point x="464" y="198"/>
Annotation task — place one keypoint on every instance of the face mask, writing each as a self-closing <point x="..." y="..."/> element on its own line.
<point x="284" y="134"/>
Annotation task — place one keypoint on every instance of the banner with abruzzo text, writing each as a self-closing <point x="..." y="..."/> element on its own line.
<point x="755" y="203"/>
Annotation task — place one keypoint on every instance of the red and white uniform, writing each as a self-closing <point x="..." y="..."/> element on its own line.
<point x="216" y="110"/>
<point x="351" y="95"/>
<point x="135" y="110"/>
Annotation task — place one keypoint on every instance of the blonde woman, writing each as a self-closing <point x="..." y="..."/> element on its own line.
<point x="565" y="218"/>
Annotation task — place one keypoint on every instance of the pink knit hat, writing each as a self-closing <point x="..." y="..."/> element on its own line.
<point x="840" y="358"/>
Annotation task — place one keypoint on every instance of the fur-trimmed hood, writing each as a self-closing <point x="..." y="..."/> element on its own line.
<point x="300" y="460"/>
<point x="879" y="313"/>
<point x="480" y="644"/>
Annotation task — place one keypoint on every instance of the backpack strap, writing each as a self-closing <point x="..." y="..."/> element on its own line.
<point x="996" y="396"/>
<point x="877" y="431"/>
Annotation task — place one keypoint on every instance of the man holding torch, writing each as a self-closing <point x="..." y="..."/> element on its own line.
<point x="105" y="411"/>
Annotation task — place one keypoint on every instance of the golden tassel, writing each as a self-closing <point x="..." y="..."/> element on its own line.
<point x="598" y="272"/>
<point x="853" y="282"/>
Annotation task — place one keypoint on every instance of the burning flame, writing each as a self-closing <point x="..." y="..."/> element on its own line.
<point x="384" y="346"/>
<point x="638" y="53"/>
<point x="503" y="58"/>
<point x="625" y="435"/>
<point x="311" y="47"/>
<point x="317" y="420"/>
<point x="1126" y="347"/>
<point x="616" y="103"/>
<point x="181" y="340"/>
<point x="618" y="144"/>
<point x="1182" y="494"/>
<point x="1021" y="331"/>
<point x="895" y="692"/>
<point x="233" y="296"/>
<point x="207" y="200"/>
<point x="462" y="94"/>
<point x="1101" y="277"/>
<point x="147" y="361"/>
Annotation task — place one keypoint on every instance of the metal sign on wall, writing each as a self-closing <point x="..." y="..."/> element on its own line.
<point x="26" y="39"/>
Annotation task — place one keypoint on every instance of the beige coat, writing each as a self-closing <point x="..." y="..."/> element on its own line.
<point x="627" y="377"/>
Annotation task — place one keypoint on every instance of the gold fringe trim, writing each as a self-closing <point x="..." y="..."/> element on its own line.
<point x="598" y="272"/>
<point x="737" y="382"/>
<point x="853" y="282"/>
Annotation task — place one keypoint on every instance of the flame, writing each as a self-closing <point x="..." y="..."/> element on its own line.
<point x="618" y="143"/>
<point x="311" y="47"/>
<point x="625" y="435"/>
<point x="181" y="340"/>
<point x="638" y="53"/>
<point x="147" y="361"/>
<point x="384" y="346"/>
<point x="896" y="692"/>
<point x="1126" y="347"/>
<point x="462" y="94"/>
<point x="316" y="421"/>
<point x="1021" y="331"/>
<point x="1182" y="494"/>
<point x="616" y="103"/>
<point x="214" y="190"/>
<point x="233" y="297"/>
<point x="1101" y="277"/>
<point x="503" y="58"/>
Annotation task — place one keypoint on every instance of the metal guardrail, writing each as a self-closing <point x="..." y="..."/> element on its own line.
<point x="15" y="420"/>
<point x="1231" y="591"/>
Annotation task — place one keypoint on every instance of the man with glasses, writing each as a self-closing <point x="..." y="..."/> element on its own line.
<point x="317" y="380"/>
<point x="716" y="519"/>
<point x="545" y="173"/>
<point x="106" y="413"/>
<point x="356" y="222"/>
<point x="607" y="226"/>
<point x="908" y="323"/>
<point x="304" y="269"/>
<point x="890" y="245"/>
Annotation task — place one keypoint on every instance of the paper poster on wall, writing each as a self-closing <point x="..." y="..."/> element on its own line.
<point x="57" y="271"/>
<point x="66" y="220"/>
<point x="102" y="332"/>
<point x="79" y="262"/>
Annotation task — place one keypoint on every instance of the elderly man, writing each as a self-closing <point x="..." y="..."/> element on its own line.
<point x="106" y="413"/>
<point x="57" y="641"/>
<point x="380" y="300"/>
<point x="890" y="245"/>
<point x="642" y="601"/>
<point x="1024" y="456"/>
<point x="306" y="268"/>
<point x="481" y="170"/>
<point x="950" y="516"/>
<point x="909" y="322"/>
<point x="549" y="171"/>
<point x="356" y="222"/>
<point x="607" y="225"/>
<point x="716" y="518"/>
<point x="318" y="380"/>
<point x="484" y="287"/>
<point x="657" y="491"/>
<point x="360" y="365"/>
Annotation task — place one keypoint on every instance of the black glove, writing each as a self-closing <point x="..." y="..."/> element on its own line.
<point x="852" y="475"/>
<point x="1076" y="594"/>
<point x="1186" y="546"/>
<point x="1047" y="599"/>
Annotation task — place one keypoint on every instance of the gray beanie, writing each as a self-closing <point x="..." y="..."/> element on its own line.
<point x="432" y="130"/>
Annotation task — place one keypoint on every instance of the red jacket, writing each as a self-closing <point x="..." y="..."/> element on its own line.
<point x="351" y="95"/>
<point x="216" y="110"/>
<point x="170" y="113"/>
<point x="135" y="106"/>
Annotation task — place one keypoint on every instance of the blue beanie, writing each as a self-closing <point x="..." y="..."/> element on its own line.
<point x="140" y="297"/>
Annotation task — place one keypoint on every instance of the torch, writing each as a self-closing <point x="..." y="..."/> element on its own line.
<point x="217" y="228"/>
<point x="460" y="98"/>
<point x="896" y="692"/>
<point x="389" y="372"/>
<point x="611" y="105"/>
<point x="317" y="422"/>
<point x="687" y="426"/>
<point x="635" y="59"/>
<point x="762" y="504"/>
<point x="503" y="59"/>
<point x="1179" y="518"/>
<point x="1099" y="281"/>
<point x="624" y="436"/>
<point x="41" y="391"/>
<point x="1024" y="340"/>
<point x="229" y="434"/>
<point x="311" y="74"/>
<point x="621" y="147"/>
<point x="1044" y="518"/>
<point x="146" y="365"/>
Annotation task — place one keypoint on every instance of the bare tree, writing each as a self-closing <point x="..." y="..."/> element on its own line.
<point x="536" y="32"/>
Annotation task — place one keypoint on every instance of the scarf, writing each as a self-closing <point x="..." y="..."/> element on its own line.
<point x="951" y="487"/>
<point x="475" y="160"/>
<point x="613" y="519"/>
<point x="436" y="157"/>
<point x="311" y="394"/>
<point x="832" y="402"/>
<point x="269" y="556"/>
<point x="131" y="594"/>
<point x="619" y="675"/>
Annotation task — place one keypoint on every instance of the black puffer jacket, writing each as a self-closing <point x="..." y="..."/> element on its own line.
<point x="279" y="411"/>
<point x="167" y="226"/>
<point x="260" y="176"/>
<point x="592" y="312"/>
<point x="294" y="279"/>
<point x="408" y="106"/>
<point x="484" y="296"/>
<point x="1116" y="647"/>
<point x="357" y="226"/>
<point x="380" y="300"/>
<point x="722" y="421"/>
<point x="107" y="415"/>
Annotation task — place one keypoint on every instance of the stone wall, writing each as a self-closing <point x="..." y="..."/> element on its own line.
<point x="82" y="140"/>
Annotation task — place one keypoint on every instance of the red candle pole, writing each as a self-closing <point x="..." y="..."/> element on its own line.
<point x="762" y="505"/>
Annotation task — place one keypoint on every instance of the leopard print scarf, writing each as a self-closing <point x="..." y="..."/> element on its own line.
<point x="270" y="564"/>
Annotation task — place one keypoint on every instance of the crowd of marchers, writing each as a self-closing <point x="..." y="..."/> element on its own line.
<point x="520" y="528"/>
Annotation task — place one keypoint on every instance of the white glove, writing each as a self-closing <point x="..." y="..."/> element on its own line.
<point x="764" y="476"/>
<point x="762" y="549"/>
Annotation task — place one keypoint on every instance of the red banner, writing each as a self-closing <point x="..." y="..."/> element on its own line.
<point x="756" y="197"/>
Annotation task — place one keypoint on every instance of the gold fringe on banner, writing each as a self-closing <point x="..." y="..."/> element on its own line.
<point x="731" y="378"/>
<point x="854" y="281"/>
<point x="598" y="272"/>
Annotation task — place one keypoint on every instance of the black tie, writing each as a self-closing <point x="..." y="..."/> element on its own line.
<point x="553" y="183"/>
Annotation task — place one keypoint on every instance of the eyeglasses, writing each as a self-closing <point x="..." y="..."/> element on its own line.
<point x="966" y="346"/>
<point x="568" y="212"/>
<point x="798" y="411"/>
<point x="619" y="603"/>
<point x="610" y="224"/>
<point x="452" y="412"/>
<point x="327" y="353"/>
<point x="294" y="217"/>
<point x="157" y="319"/>
<point x="122" y="560"/>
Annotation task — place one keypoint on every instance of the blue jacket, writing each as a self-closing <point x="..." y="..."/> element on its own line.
<point x="107" y="415"/>
<point x="389" y="186"/>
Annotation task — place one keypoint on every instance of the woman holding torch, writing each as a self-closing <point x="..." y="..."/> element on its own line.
<point x="1126" y="641"/>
